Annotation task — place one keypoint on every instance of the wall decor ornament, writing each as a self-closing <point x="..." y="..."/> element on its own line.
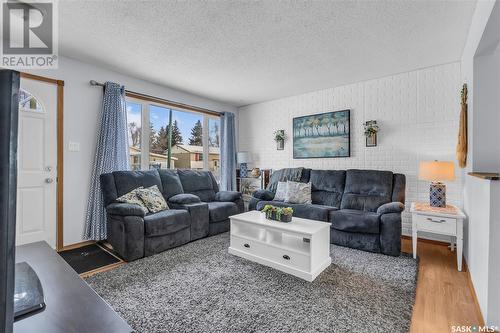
<point x="279" y="137"/>
<point x="371" y="130"/>
<point x="243" y="158"/>
<point x="322" y="135"/>
<point x="255" y="173"/>
<point x="462" y="130"/>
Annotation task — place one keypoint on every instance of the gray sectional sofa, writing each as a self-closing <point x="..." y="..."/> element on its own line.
<point x="197" y="209"/>
<point x="363" y="206"/>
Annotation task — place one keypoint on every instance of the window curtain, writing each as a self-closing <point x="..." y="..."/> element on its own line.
<point x="110" y="155"/>
<point x="228" y="152"/>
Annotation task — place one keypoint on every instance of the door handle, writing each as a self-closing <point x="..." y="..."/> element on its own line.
<point x="246" y="245"/>
<point x="48" y="168"/>
<point x="286" y="257"/>
<point x="49" y="180"/>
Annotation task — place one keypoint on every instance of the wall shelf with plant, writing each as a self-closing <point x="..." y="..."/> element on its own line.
<point x="371" y="130"/>
<point x="280" y="137"/>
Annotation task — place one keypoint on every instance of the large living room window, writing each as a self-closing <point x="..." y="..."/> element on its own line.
<point x="134" y="126"/>
<point x="194" y="136"/>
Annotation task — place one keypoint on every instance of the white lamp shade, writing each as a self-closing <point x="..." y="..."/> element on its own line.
<point x="243" y="157"/>
<point x="436" y="171"/>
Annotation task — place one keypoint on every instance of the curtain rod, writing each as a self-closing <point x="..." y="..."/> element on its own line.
<point x="167" y="102"/>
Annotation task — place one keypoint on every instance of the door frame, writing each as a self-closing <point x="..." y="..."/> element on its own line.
<point x="60" y="150"/>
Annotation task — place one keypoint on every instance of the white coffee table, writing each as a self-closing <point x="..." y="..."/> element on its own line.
<point x="300" y="247"/>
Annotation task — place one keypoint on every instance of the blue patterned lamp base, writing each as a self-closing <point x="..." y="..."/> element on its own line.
<point x="243" y="170"/>
<point x="437" y="195"/>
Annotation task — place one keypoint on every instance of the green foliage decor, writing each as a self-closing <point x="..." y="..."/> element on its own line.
<point x="279" y="135"/>
<point x="278" y="212"/>
<point x="371" y="128"/>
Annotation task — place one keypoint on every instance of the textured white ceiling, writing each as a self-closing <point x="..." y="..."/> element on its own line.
<point x="243" y="52"/>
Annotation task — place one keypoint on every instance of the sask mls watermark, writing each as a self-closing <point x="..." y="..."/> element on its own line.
<point x="29" y="35"/>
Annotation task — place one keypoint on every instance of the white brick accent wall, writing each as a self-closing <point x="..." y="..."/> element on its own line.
<point x="417" y="113"/>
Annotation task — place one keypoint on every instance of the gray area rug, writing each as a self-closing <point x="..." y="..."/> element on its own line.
<point x="199" y="287"/>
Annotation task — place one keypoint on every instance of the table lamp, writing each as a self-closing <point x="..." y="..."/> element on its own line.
<point x="243" y="157"/>
<point x="436" y="172"/>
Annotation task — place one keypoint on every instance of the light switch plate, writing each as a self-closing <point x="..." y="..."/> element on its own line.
<point x="74" y="146"/>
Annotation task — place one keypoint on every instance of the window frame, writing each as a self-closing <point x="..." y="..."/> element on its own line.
<point x="145" y="128"/>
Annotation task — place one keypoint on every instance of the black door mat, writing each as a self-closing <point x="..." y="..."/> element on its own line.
<point x="88" y="258"/>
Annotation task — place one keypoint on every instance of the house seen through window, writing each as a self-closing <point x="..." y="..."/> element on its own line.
<point x="194" y="135"/>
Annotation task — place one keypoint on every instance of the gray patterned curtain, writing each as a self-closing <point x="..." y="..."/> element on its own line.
<point x="110" y="155"/>
<point x="228" y="152"/>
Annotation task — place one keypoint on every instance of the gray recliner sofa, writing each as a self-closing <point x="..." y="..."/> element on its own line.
<point x="363" y="206"/>
<point x="197" y="209"/>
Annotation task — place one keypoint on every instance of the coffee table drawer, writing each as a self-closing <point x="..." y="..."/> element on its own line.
<point x="249" y="246"/>
<point x="442" y="225"/>
<point x="292" y="259"/>
<point x="265" y="251"/>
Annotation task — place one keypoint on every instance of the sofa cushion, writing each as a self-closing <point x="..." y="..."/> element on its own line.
<point x="229" y="196"/>
<point x="327" y="187"/>
<point x="391" y="207"/>
<point x="126" y="181"/>
<point x="166" y="222"/>
<point x="367" y="190"/>
<point x="184" y="198"/>
<point x="263" y="195"/>
<point x="220" y="211"/>
<point x="355" y="221"/>
<point x="108" y="188"/>
<point x="199" y="183"/>
<point x="306" y="211"/>
<point x="126" y="209"/>
<point x="171" y="183"/>
<point x="399" y="188"/>
<point x="283" y="175"/>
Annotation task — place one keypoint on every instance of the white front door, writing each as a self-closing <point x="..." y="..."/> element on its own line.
<point x="37" y="163"/>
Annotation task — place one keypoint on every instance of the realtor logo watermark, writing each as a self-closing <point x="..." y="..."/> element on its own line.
<point x="29" y="35"/>
<point x="473" y="329"/>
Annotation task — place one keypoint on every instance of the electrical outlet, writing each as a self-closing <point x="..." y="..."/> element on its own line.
<point x="74" y="146"/>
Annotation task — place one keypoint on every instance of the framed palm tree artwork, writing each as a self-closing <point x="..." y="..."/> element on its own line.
<point x="322" y="135"/>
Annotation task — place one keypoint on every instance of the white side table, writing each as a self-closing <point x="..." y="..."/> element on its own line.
<point x="443" y="221"/>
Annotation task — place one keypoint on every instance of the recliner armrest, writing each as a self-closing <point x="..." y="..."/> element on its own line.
<point x="183" y="199"/>
<point x="263" y="195"/>
<point x="199" y="217"/>
<point x="391" y="207"/>
<point x="187" y="206"/>
<point x="125" y="209"/>
<point x="227" y="196"/>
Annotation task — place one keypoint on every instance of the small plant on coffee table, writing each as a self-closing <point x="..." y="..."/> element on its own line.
<point x="282" y="214"/>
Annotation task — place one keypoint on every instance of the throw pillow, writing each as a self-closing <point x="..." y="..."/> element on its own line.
<point x="280" y="191"/>
<point x="153" y="199"/>
<point x="132" y="198"/>
<point x="298" y="193"/>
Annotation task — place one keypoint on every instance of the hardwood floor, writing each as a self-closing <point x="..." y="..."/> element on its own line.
<point x="444" y="297"/>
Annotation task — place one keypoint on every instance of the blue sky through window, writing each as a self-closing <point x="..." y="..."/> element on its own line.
<point x="185" y="120"/>
<point x="159" y="118"/>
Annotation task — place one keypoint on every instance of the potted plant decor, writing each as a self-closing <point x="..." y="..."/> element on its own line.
<point x="281" y="214"/>
<point x="279" y="137"/>
<point x="371" y="130"/>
